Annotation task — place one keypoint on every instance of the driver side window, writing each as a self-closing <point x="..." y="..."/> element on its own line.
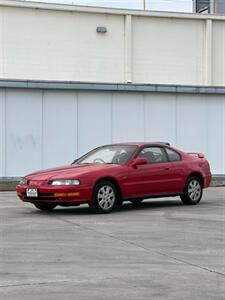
<point x="153" y="154"/>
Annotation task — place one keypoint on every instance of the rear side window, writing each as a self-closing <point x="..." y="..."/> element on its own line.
<point x="153" y="154"/>
<point x="173" y="155"/>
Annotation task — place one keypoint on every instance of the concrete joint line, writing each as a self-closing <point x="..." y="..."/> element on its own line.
<point x="142" y="247"/>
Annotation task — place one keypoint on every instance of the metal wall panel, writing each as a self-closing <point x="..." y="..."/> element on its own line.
<point x="40" y="129"/>
<point x="2" y="133"/>
<point x="215" y="132"/>
<point x="127" y="117"/>
<point x="160" y="118"/>
<point x="222" y="161"/>
<point x="192" y="123"/>
<point x="59" y="128"/>
<point x="23" y="147"/>
<point x="94" y="120"/>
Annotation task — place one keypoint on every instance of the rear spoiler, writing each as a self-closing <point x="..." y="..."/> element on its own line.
<point x="164" y="143"/>
<point x="199" y="155"/>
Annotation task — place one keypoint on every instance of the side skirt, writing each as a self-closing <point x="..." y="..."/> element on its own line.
<point x="154" y="196"/>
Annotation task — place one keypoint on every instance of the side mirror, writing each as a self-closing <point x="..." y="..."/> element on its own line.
<point x="139" y="161"/>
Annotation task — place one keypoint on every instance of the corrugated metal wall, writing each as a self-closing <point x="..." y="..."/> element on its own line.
<point x="45" y="128"/>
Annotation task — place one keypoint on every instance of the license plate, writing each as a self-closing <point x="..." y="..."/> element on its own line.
<point x="32" y="193"/>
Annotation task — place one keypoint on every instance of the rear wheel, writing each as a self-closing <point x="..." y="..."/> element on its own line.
<point x="45" y="206"/>
<point x="104" y="197"/>
<point x="192" y="191"/>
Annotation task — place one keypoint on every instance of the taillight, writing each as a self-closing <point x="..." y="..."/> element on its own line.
<point x="199" y="155"/>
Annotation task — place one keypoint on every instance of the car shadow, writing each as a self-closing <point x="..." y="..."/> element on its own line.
<point x="126" y="207"/>
<point x="149" y="204"/>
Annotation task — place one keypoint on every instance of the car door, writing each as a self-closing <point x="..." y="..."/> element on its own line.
<point x="178" y="170"/>
<point x="153" y="178"/>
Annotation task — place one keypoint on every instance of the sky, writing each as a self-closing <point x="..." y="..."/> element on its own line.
<point x="160" y="5"/>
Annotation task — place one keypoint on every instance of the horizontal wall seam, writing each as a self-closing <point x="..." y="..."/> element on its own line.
<point x="154" y="88"/>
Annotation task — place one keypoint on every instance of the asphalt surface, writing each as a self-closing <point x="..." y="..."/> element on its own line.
<point x="157" y="250"/>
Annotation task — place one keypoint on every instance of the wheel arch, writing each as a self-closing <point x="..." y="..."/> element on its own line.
<point x="196" y="174"/>
<point x="114" y="182"/>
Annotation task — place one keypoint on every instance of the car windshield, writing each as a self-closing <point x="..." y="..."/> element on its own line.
<point x="108" y="155"/>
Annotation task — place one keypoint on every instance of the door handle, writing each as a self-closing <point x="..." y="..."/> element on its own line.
<point x="167" y="169"/>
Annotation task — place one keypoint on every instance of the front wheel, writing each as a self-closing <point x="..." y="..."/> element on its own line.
<point x="104" y="197"/>
<point x="45" y="206"/>
<point x="192" y="191"/>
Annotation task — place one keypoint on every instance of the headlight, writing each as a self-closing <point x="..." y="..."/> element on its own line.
<point x="23" y="181"/>
<point x="65" y="182"/>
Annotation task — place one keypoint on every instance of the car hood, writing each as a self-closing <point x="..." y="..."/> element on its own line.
<point x="69" y="171"/>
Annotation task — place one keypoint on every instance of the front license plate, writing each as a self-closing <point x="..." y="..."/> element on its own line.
<point x="32" y="193"/>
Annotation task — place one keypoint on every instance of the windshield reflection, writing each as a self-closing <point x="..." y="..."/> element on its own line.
<point x="108" y="155"/>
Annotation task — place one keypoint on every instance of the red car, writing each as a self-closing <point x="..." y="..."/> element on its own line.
<point x="111" y="174"/>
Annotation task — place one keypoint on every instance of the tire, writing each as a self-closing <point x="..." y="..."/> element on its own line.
<point x="136" y="201"/>
<point x="192" y="191"/>
<point x="105" y="197"/>
<point x="45" y="206"/>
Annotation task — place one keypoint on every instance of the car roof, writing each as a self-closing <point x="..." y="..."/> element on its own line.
<point x="139" y="144"/>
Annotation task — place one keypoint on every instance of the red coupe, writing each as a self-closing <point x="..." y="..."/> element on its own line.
<point x="111" y="174"/>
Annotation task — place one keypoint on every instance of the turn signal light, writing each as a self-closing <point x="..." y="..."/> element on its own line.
<point x="71" y="194"/>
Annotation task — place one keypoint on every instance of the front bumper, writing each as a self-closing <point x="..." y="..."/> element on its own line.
<point x="56" y="194"/>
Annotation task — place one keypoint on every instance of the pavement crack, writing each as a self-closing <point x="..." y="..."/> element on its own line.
<point x="143" y="247"/>
<point x="71" y="281"/>
<point x="33" y="283"/>
<point x="165" y="255"/>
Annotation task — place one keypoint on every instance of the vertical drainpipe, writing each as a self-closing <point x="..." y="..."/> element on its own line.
<point x="128" y="49"/>
<point x="208" y="53"/>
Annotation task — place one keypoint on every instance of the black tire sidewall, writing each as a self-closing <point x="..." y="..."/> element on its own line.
<point x="185" y="196"/>
<point x="95" y="204"/>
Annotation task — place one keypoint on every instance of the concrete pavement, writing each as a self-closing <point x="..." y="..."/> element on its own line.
<point x="157" y="250"/>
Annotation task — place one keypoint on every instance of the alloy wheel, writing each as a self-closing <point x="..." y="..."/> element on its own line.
<point x="194" y="190"/>
<point x="106" y="197"/>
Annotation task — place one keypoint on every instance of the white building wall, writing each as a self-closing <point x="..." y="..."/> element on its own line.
<point x="218" y="55"/>
<point x="45" y="128"/>
<point x="57" y="42"/>
<point x="168" y="50"/>
<point x="58" y="45"/>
